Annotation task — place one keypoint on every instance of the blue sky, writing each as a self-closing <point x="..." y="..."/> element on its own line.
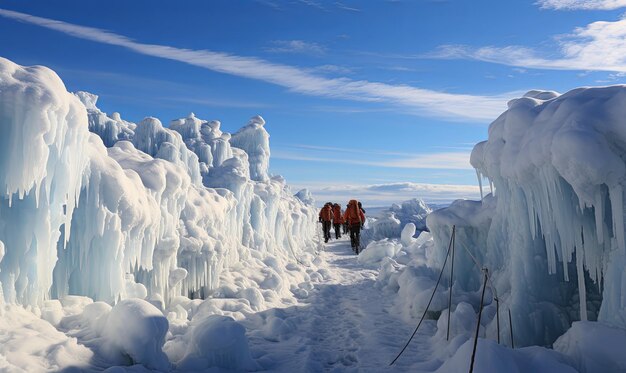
<point x="379" y="100"/>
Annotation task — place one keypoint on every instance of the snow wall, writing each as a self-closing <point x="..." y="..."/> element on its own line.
<point x="131" y="210"/>
<point x="552" y="235"/>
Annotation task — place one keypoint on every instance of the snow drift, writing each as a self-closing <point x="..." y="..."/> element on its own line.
<point x="391" y="221"/>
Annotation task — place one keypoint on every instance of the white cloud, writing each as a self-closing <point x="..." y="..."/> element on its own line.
<point x="332" y="69"/>
<point x="296" y="46"/>
<point x="270" y="4"/>
<point x="313" y="4"/>
<point x="599" y="46"/>
<point x="378" y="195"/>
<point x="458" y="160"/>
<point x="414" y="100"/>
<point x="216" y="102"/>
<point x="346" y="7"/>
<point x="582" y="4"/>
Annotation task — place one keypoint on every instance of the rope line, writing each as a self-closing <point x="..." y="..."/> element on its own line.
<point x="291" y="248"/>
<point x="495" y="296"/>
<point x="427" y="306"/>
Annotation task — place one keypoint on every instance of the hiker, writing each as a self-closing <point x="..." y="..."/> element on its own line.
<point x="346" y="225"/>
<point x="355" y="218"/>
<point x="361" y="208"/>
<point x="337" y="220"/>
<point x="326" y="214"/>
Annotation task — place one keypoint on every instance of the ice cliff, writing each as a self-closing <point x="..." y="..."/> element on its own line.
<point x="553" y="233"/>
<point x="133" y="210"/>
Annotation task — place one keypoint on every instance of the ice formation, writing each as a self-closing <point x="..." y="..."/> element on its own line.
<point x="553" y="234"/>
<point x="132" y="210"/>
<point x="391" y="221"/>
<point x="110" y="129"/>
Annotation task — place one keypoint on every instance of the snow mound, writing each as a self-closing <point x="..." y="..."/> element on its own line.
<point x="412" y="211"/>
<point x="595" y="347"/>
<point x="492" y="357"/>
<point x="392" y="221"/>
<point x="376" y="251"/>
<point x="136" y="330"/>
<point x="306" y="197"/>
<point x="31" y="344"/>
<point x="218" y="341"/>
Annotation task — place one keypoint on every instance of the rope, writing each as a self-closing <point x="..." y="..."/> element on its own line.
<point x="481" y="268"/>
<point x="428" y="305"/>
<point x="291" y="248"/>
<point x="320" y="246"/>
<point x="495" y="296"/>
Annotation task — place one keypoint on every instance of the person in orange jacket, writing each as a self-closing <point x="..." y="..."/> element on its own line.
<point x="337" y="220"/>
<point x="355" y="218"/>
<point x="326" y="215"/>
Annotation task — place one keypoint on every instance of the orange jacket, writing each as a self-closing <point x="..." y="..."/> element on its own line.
<point x="354" y="215"/>
<point x="337" y="215"/>
<point x="326" y="213"/>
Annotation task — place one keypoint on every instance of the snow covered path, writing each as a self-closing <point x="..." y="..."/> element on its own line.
<point x="344" y="325"/>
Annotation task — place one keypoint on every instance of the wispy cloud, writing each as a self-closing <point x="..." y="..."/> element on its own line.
<point x="313" y="4"/>
<point x="581" y="4"/>
<point x="272" y="4"/>
<point x="379" y="195"/>
<point x="346" y="7"/>
<point x="453" y="160"/>
<point x="216" y="102"/>
<point x="332" y="69"/>
<point x="123" y="80"/>
<point x="414" y="100"/>
<point x="296" y="46"/>
<point x="599" y="46"/>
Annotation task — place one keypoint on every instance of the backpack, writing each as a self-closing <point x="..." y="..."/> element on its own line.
<point x="353" y="212"/>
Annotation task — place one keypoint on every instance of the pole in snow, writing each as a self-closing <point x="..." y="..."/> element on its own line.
<point x="511" y="327"/>
<point x="498" y="317"/>
<point x="480" y="313"/>
<point x="453" y="238"/>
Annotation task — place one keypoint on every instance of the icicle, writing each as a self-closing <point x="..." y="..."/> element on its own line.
<point x="599" y="215"/>
<point x="582" y="290"/>
<point x="617" y="207"/>
<point x="480" y="183"/>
